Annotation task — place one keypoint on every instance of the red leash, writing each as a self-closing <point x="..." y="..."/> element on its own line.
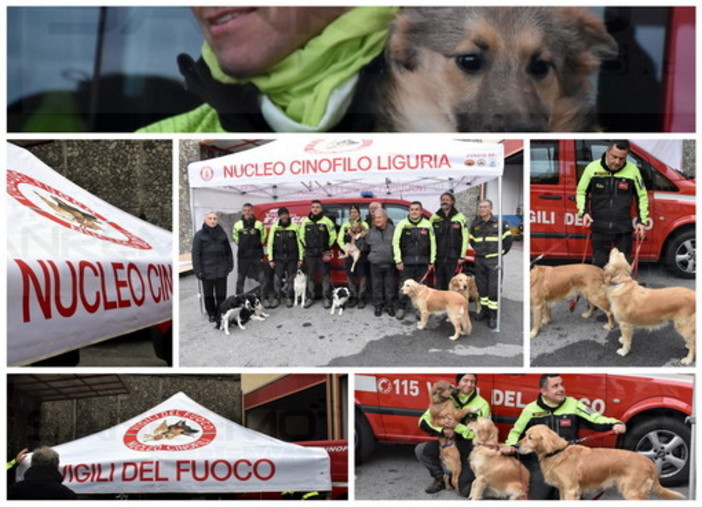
<point x="637" y="251"/>
<point x="429" y="270"/>
<point x="596" y="436"/>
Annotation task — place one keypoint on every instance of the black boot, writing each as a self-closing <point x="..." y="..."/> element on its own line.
<point x="492" y="319"/>
<point x="435" y="486"/>
<point x="483" y="314"/>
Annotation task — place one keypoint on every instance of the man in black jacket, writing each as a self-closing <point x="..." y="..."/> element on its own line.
<point x="42" y="481"/>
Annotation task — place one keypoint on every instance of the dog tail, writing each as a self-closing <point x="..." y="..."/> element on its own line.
<point x="667" y="494"/>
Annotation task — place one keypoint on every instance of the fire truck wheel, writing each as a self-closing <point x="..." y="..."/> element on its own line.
<point x="679" y="256"/>
<point x="666" y="441"/>
<point x="364" y="441"/>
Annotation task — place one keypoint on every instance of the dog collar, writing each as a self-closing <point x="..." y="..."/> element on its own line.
<point x="451" y="443"/>
<point x="552" y="454"/>
<point x="494" y="447"/>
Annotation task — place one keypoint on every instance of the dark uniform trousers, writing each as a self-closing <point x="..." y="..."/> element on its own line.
<point x="315" y="264"/>
<point x="486" y="279"/>
<point x="358" y="279"/>
<point x="602" y="244"/>
<point x="445" y="270"/>
<point x="250" y="267"/>
<point x="218" y="286"/>
<point x="384" y="278"/>
<point x="284" y="269"/>
<point x="415" y="272"/>
<point x="428" y="453"/>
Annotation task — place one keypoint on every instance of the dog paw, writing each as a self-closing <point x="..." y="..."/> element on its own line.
<point x="608" y="326"/>
<point x="533" y="334"/>
<point x="420" y="326"/>
<point x="687" y="361"/>
<point x="622" y="351"/>
<point x="453" y="338"/>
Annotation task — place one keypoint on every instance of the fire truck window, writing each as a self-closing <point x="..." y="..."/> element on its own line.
<point x="396" y="212"/>
<point x="334" y="213"/>
<point x="544" y="163"/>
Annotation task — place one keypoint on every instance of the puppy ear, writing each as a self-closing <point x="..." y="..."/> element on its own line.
<point x="589" y="30"/>
<point x="399" y="50"/>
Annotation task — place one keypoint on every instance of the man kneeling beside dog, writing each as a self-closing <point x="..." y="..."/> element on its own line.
<point x="539" y="459"/>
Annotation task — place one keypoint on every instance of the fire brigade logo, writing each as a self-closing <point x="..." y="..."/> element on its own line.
<point x="384" y="386"/>
<point x="68" y="212"/>
<point x="332" y="146"/>
<point x="206" y="173"/>
<point x="172" y="430"/>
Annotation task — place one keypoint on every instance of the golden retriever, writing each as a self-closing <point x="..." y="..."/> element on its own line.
<point x="636" y="306"/>
<point x="428" y="301"/>
<point x="494" y="472"/>
<point x="465" y="285"/>
<point x="574" y="469"/>
<point x="556" y="283"/>
<point x="493" y="69"/>
<point x="441" y="407"/>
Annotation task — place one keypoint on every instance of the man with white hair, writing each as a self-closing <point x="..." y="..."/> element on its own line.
<point x="42" y="480"/>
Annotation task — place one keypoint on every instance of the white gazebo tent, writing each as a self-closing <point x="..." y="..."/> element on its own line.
<point x="307" y="167"/>
<point x="79" y="270"/>
<point x="181" y="446"/>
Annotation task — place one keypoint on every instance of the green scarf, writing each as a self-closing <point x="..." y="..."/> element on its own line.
<point x="302" y="83"/>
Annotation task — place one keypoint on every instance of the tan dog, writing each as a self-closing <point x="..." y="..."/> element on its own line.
<point x="636" y="306"/>
<point x="574" y="469"/>
<point x="441" y="407"/>
<point x="428" y="301"/>
<point x="556" y="283"/>
<point x="494" y="472"/>
<point x="493" y="69"/>
<point x="356" y="231"/>
<point x="465" y="285"/>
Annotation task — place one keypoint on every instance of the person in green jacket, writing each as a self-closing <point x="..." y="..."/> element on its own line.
<point x="561" y="413"/>
<point x="250" y="237"/>
<point x="284" y="256"/>
<point x="414" y="249"/>
<point x="358" y="278"/>
<point x="284" y="69"/>
<point x="428" y="453"/>
<point x="451" y="240"/>
<point x="605" y="194"/>
<point x="317" y="236"/>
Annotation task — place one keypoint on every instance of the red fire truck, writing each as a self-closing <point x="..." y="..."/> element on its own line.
<point x="558" y="233"/>
<point x="655" y="409"/>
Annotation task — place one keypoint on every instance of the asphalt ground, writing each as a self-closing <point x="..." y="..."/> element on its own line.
<point x="570" y="340"/>
<point x="312" y="337"/>
<point x="393" y="473"/>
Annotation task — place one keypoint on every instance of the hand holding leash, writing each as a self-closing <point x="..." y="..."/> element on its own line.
<point x="587" y="220"/>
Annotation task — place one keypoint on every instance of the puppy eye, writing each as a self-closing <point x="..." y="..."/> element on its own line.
<point x="539" y="68"/>
<point x="469" y="63"/>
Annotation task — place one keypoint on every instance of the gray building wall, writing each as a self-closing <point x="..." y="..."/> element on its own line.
<point x="135" y="176"/>
<point x="31" y="423"/>
<point x="689" y="165"/>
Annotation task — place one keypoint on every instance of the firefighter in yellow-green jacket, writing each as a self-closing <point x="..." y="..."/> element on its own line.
<point x="250" y="237"/>
<point x="414" y="249"/>
<point x="317" y="236"/>
<point x="604" y="196"/>
<point x="484" y="237"/>
<point x="451" y="240"/>
<point x="428" y="453"/>
<point x="284" y="255"/>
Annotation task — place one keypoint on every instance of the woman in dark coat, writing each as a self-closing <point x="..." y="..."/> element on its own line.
<point x="212" y="262"/>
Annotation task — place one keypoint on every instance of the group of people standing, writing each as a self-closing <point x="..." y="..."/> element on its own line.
<point x="390" y="254"/>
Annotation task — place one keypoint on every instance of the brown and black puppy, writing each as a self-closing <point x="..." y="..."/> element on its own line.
<point x="502" y="475"/>
<point x="440" y="407"/>
<point x="574" y="469"/>
<point x="493" y="69"/>
<point x="635" y="306"/>
<point x="465" y="285"/>
<point x="556" y="283"/>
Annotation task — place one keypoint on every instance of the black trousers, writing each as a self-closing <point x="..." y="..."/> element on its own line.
<point x="486" y="277"/>
<point x="538" y="489"/>
<point x="284" y="269"/>
<point x="415" y="272"/>
<point x="315" y="266"/>
<point x="214" y="292"/>
<point x="602" y="244"/>
<point x="429" y="454"/>
<point x="250" y="268"/>
<point x="384" y="278"/>
<point x="445" y="270"/>
<point x="358" y="279"/>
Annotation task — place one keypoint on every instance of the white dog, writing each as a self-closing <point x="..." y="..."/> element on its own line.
<point x="300" y="287"/>
<point x="340" y="296"/>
